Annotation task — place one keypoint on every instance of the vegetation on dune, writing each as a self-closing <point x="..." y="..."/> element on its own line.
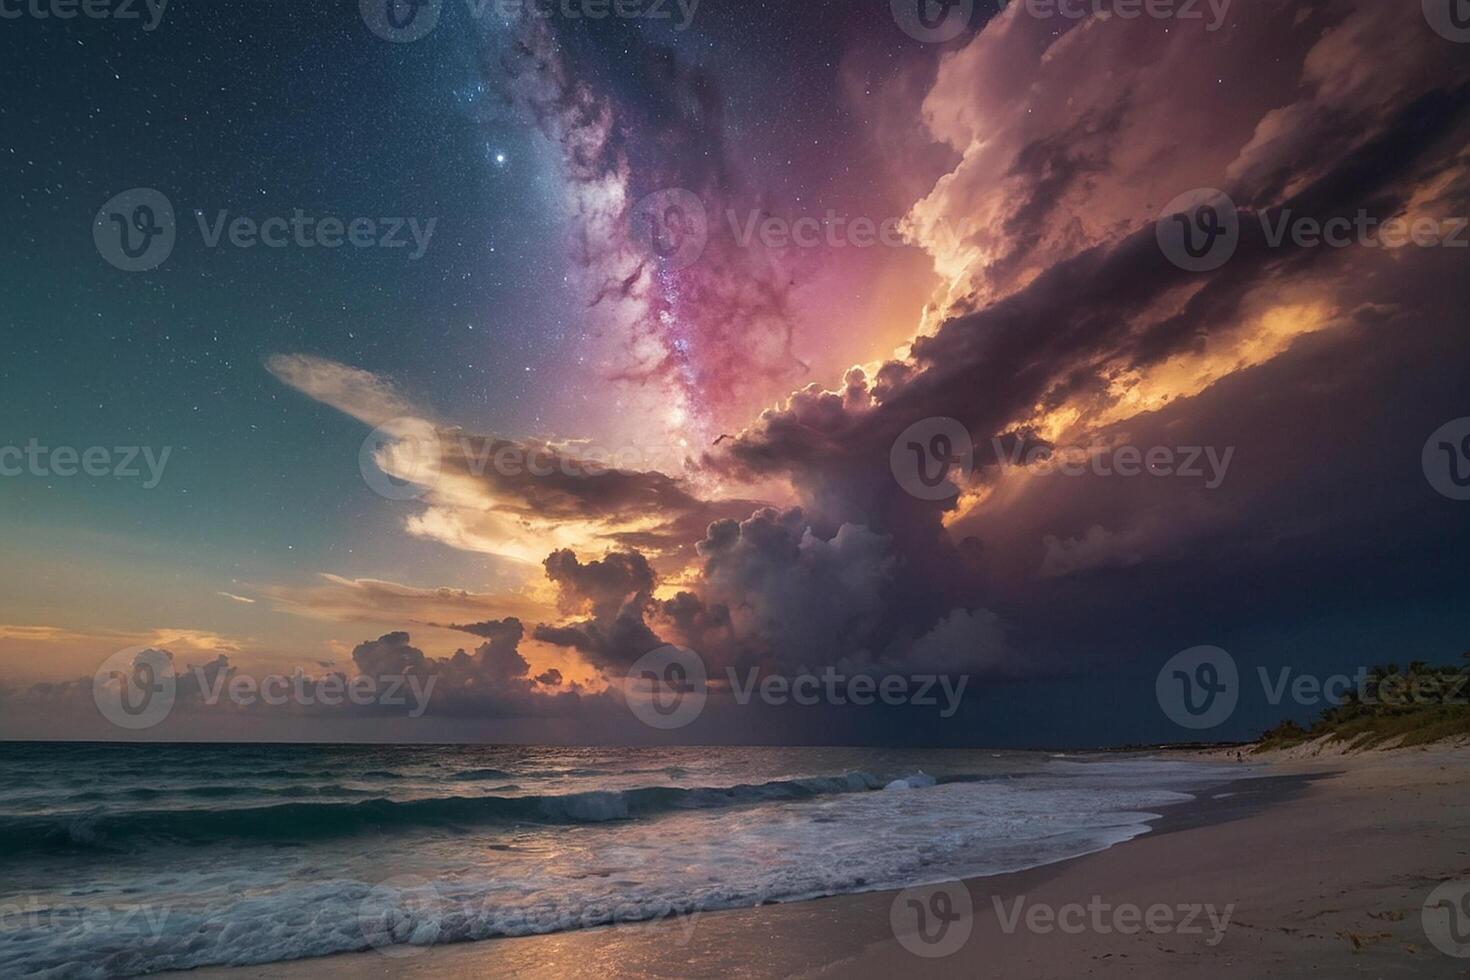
<point x="1416" y="706"/>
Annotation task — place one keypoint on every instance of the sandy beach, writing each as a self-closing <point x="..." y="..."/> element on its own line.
<point x="1317" y="866"/>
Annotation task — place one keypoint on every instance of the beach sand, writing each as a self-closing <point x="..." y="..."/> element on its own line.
<point x="1324" y="863"/>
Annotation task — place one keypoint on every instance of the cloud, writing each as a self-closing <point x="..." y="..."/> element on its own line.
<point x="1059" y="321"/>
<point x="361" y="394"/>
<point x="35" y="634"/>
<point x="602" y="587"/>
<point x="515" y="498"/>
<point x="795" y="597"/>
<point x="1098" y="548"/>
<point x="615" y="594"/>
<point x="494" y="679"/>
<point x="770" y="591"/>
<point x="967" y="641"/>
<point x="1103" y="328"/>
<point x="339" y="599"/>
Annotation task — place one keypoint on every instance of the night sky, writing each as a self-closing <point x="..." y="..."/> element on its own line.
<point x="761" y="389"/>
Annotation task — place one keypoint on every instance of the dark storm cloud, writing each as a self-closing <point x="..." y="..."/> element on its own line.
<point x="600" y="587"/>
<point x="1068" y="561"/>
<point x="493" y="680"/>
<point x="771" y="592"/>
<point x="1044" y="345"/>
<point x="794" y="593"/>
<point x="774" y="590"/>
<point x="614" y="593"/>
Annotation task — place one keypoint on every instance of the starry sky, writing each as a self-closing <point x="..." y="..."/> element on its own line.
<point x="760" y="389"/>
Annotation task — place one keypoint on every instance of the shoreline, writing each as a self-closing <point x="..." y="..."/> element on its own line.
<point x="1323" y="862"/>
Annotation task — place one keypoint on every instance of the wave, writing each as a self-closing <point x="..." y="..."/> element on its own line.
<point x="101" y="830"/>
<point x="581" y="773"/>
<point x="211" y="793"/>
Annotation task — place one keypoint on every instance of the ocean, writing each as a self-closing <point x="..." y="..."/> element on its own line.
<point x="125" y="860"/>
